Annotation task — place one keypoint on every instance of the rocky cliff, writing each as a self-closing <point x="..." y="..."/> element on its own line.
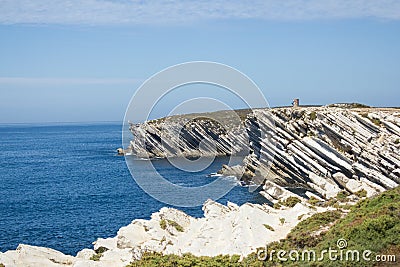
<point x="321" y="149"/>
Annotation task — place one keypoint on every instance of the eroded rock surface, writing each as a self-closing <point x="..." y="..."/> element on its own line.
<point x="229" y="229"/>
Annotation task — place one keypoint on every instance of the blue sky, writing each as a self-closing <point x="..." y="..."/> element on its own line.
<point x="66" y="61"/>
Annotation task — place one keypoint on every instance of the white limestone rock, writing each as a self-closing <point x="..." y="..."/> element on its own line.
<point x="350" y="184"/>
<point x="276" y="193"/>
<point x="85" y="254"/>
<point x="324" y="185"/>
<point x="32" y="256"/>
<point x="214" y="209"/>
<point x="131" y="236"/>
<point x="108" y="243"/>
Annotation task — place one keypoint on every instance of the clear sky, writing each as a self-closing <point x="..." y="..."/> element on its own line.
<point x="67" y="61"/>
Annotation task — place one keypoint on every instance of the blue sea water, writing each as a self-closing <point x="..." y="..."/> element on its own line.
<point x="63" y="186"/>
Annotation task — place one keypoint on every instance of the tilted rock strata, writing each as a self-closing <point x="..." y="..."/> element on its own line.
<point x="322" y="149"/>
<point x="330" y="149"/>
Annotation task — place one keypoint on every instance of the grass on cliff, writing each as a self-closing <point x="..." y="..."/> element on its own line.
<point x="164" y="223"/>
<point x="372" y="224"/>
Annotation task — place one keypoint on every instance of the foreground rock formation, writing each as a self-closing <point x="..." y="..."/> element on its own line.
<point x="223" y="230"/>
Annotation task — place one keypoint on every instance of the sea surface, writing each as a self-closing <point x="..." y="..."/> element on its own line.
<point x="63" y="186"/>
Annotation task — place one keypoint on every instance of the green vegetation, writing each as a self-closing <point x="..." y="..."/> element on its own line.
<point x="349" y="105"/>
<point x="269" y="227"/>
<point x="177" y="226"/>
<point x="372" y="224"/>
<point x="376" y="121"/>
<point x="361" y="193"/>
<point x="314" y="201"/>
<point x="397" y="141"/>
<point x="96" y="257"/>
<point x="186" y="260"/>
<point x="2" y="265"/>
<point x="342" y="195"/>
<point x="164" y="223"/>
<point x="291" y="201"/>
<point x="99" y="254"/>
<point x="313" y="116"/>
<point x="330" y="203"/>
<point x="301" y="236"/>
<point x="358" y="105"/>
<point x="282" y="220"/>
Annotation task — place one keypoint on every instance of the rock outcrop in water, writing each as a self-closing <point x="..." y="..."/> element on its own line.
<point x="321" y="149"/>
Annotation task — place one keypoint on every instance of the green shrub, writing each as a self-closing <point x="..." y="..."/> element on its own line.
<point x="373" y="224"/>
<point x="300" y="235"/>
<point x="313" y="115"/>
<point x="101" y="250"/>
<point x="397" y="141"/>
<point x="163" y="239"/>
<point x="282" y="220"/>
<point x="152" y="259"/>
<point x="99" y="253"/>
<point x="163" y="224"/>
<point x="313" y="201"/>
<point x="269" y="227"/>
<point x="358" y="105"/>
<point x="342" y="195"/>
<point x="361" y="193"/>
<point x="300" y="217"/>
<point x="291" y="201"/>
<point x="376" y="121"/>
<point x="277" y="205"/>
<point x="176" y="225"/>
<point x="96" y="257"/>
<point x="330" y="203"/>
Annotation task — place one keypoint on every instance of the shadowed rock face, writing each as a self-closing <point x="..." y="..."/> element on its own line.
<point x="211" y="134"/>
<point x="322" y="149"/>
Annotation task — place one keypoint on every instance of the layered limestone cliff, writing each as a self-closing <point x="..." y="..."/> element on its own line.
<point x="321" y="149"/>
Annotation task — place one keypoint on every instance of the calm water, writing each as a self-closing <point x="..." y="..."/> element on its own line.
<point x="62" y="186"/>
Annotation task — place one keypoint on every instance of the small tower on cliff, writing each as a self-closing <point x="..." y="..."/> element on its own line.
<point x="296" y="102"/>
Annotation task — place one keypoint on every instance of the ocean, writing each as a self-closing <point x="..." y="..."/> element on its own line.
<point x="63" y="186"/>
